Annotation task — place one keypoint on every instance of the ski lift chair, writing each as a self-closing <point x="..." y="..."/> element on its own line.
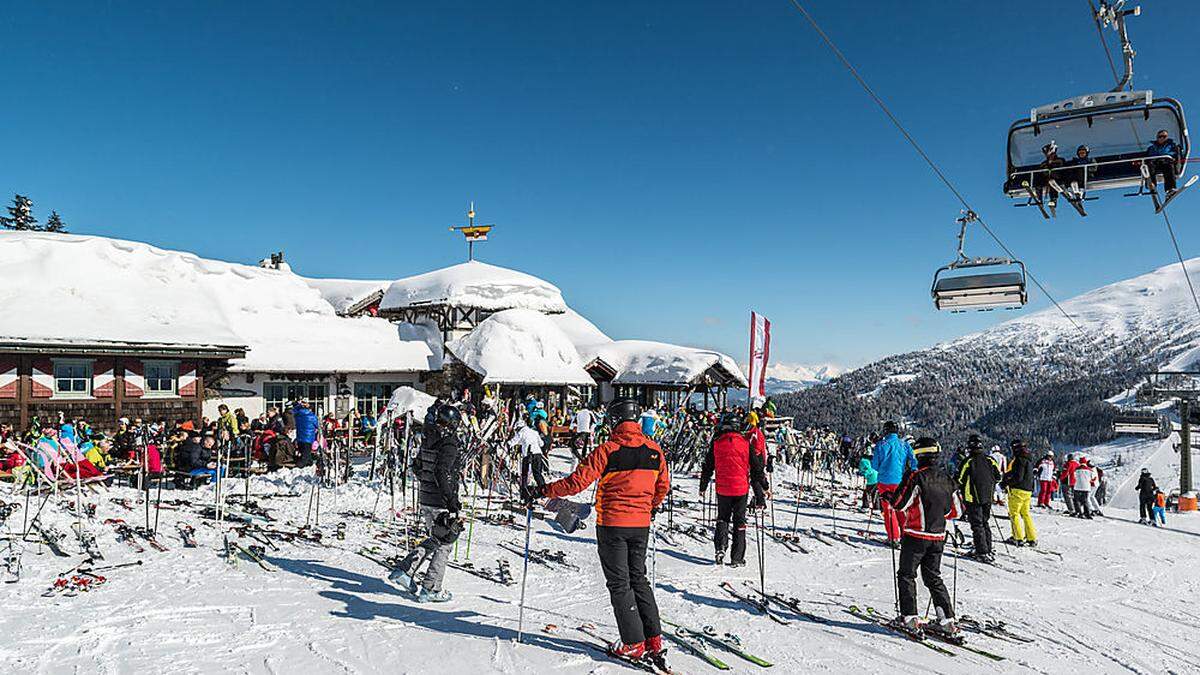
<point x="959" y="291"/>
<point x="1133" y="424"/>
<point x="1117" y="127"/>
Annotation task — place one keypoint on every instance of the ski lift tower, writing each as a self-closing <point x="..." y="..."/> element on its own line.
<point x="473" y="232"/>
<point x="1182" y="386"/>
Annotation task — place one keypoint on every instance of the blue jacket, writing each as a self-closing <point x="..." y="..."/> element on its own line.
<point x="306" y="424"/>
<point x="891" y="457"/>
<point x="1168" y="149"/>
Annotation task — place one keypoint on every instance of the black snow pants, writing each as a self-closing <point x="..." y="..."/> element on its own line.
<point x="926" y="555"/>
<point x="732" y="509"/>
<point x="623" y="559"/>
<point x="1145" y="507"/>
<point x="979" y="516"/>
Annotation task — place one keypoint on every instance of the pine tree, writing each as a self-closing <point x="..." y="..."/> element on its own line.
<point x="20" y="215"/>
<point x="54" y="223"/>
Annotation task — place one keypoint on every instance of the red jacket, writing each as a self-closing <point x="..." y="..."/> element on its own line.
<point x="758" y="442"/>
<point x="730" y="457"/>
<point x="633" y="478"/>
<point x="1069" y="472"/>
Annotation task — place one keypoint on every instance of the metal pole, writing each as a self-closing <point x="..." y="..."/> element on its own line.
<point x="1185" y="449"/>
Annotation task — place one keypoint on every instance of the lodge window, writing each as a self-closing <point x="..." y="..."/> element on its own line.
<point x="162" y="377"/>
<point x="277" y="394"/>
<point x="72" y="378"/>
<point x="371" y="397"/>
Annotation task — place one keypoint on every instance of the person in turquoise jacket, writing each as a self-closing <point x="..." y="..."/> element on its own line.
<point x="891" y="459"/>
<point x="869" y="473"/>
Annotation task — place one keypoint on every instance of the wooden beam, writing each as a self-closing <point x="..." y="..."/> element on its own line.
<point x="24" y="389"/>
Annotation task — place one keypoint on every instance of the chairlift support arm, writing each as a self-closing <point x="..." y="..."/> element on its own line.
<point x="1113" y="16"/>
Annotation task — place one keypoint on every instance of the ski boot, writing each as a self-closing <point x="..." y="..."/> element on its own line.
<point x="1032" y="543"/>
<point x="737" y="563"/>
<point x="633" y="652"/>
<point x="654" y="645"/>
<point x="1012" y="541"/>
<point x="402" y="579"/>
<point x="909" y="624"/>
<point x="434" y="596"/>
<point x="720" y="558"/>
<point x="947" y="629"/>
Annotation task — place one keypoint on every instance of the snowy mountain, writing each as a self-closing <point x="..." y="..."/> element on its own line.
<point x="785" y="378"/>
<point x="1037" y="376"/>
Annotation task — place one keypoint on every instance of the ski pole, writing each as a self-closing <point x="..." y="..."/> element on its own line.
<point x="895" y="582"/>
<point x="762" y="563"/>
<point x="996" y="519"/>
<point x="112" y="567"/>
<point x="471" y="524"/>
<point x="954" y="584"/>
<point x="524" y="573"/>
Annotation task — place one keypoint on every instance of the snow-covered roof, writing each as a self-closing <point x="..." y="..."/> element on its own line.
<point x="521" y="346"/>
<point x="82" y="289"/>
<point x="583" y="333"/>
<point x="647" y="362"/>
<point x="347" y="295"/>
<point x="474" y="284"/>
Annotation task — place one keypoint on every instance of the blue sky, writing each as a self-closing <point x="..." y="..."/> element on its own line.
<point x="669" y="165"/>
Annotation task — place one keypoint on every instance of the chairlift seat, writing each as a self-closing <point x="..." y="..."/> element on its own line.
<point x="980" y="291"/>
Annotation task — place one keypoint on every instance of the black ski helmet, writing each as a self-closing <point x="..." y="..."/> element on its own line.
<point x="890" y="427"/>
<point x="973" y="442"/>
<point x="623" y="410"/>
<point x="728" y="424"/>
<point x="448" y="417"/>
<point x="926" y="447"/>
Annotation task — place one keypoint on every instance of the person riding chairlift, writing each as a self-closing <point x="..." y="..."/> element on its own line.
<point x="1083" y="169"/>
<point x="1048" y="172"/>
<point x="1164" y="156"/>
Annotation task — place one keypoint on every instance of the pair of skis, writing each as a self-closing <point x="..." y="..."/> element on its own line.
<point x="728" y="642"/>
<point x="924" y="638"/>
<point x="655" y="664"/>
<point x="501" y="575"/>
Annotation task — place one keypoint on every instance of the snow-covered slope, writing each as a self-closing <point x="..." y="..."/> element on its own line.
<point x="1036" y="376"/>
<point x="1117" y="598"/>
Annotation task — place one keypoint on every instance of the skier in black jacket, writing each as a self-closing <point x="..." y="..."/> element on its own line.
<point x="1019" y="481"/>
<point x="977" y="477"/>
<point x="924" y="501"/>
<point x="1146" y="488"/>
<point x="437" y="469"/>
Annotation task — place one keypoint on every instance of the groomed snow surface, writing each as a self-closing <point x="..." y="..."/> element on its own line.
<point x="1121" y="599"/>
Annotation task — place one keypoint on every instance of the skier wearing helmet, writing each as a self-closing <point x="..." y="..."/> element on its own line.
<point x="737" y="469"/>
<point x="633" y="482"/>
<point x="437" y="469"/>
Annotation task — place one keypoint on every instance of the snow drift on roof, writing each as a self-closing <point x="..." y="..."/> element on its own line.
<point x="85" y="289"/>
<point x="475" y="284"/>
<point x="406" y="399"/>
<point x="646" y="362"/>
<point x="345" y="293"/>
<point x="583" y="333"/>
<point x="520" y="346"/>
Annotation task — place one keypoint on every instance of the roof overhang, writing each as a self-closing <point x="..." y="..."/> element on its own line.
<point x="102" y="348"/>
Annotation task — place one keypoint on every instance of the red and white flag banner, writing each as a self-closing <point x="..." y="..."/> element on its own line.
<point x="760" y="353"/>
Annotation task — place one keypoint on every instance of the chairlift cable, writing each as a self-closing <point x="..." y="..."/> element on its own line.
<point x="1179" y="254"/>
<point x="1100" y="32"/>
<point x="920" y="151"/>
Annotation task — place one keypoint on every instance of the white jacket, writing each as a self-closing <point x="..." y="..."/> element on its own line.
<point x="584" y="421"/>
<point x="1084" y="477"/>
<point x="1046" y="470"/>
<point x="528" y="440"/>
